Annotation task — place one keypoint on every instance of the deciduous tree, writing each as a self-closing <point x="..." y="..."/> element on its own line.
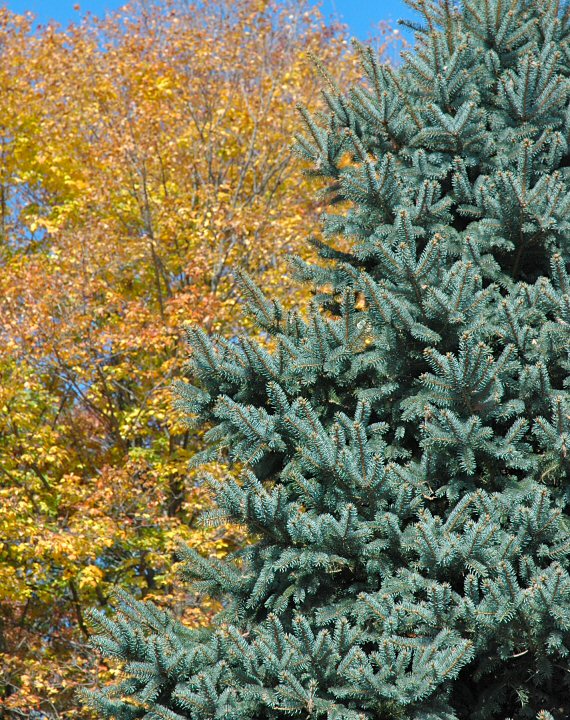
<point x="141" y="157"/>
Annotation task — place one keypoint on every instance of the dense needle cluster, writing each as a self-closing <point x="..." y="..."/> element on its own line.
<point x="404" y="442"/>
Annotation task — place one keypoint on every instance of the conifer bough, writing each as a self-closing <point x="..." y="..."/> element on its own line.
<point x="405" y="442"/>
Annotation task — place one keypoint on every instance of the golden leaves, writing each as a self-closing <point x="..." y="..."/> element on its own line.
<point x="142" y="158"/>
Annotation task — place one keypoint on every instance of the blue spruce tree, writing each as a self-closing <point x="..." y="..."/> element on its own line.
<point x="405" y="445"/>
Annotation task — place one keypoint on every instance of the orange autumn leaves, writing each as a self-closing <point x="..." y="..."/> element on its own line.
<point x="141" y="158"/>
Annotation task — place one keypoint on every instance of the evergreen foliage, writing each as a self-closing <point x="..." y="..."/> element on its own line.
<point x="404" y="442"/>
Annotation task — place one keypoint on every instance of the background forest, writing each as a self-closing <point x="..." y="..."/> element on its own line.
<point x="141" y="158"/>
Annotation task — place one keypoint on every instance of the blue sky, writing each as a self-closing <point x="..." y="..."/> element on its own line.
<point x="360" y="15"/>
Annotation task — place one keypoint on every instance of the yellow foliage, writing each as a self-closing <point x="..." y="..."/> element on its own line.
<point x="142" y="157"/>
<point x="90" y="577"/>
